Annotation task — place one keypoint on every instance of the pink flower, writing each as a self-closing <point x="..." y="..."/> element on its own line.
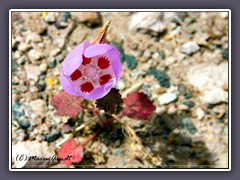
<point x="90" y="71"/>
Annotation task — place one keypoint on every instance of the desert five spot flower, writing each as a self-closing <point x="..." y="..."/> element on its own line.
<point x="90" y="71"/>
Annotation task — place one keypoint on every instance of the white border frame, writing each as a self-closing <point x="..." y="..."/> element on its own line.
<point x="118" y="10"/>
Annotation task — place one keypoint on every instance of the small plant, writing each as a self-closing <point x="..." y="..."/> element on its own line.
<point x="88" y="76"/>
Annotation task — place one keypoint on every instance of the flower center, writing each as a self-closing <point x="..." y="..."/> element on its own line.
<point x="90" y="72"/>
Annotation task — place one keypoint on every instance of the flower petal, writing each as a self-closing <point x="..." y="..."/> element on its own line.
<point x="66" y="84"/>
<point x="97" y="49"/>
<point x="114" y="57"/>
<point x="74" y="58"/>
<point x="101" y="91"/>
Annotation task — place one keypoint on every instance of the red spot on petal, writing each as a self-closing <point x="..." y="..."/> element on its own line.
<point x="85" y="60"/>
<point x="87" y="87"/>
<point x="103" y="63"/>
<point x="76" y="75"/>
<point x="104" y="79"/>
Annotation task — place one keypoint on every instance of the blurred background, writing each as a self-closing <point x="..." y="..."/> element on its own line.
<point x="182" y="57"/>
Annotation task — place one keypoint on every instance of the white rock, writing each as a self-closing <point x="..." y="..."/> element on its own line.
<point x="155" y="22"/>
<point x="189" y="48"/>
<point x="32" y="149"/>
<point x="43" y="67"/>
<point x="23" y="47"/>
<point x="172" y="110"/>
<point x="39" y="107"/>
<point x="34" y="55"/>
<point x="200" y="113"/>
<point x="32" y="72"/>
<point x="167" y="98"/>
<point x="33" y="37"/>
<point x="210" y="80"/>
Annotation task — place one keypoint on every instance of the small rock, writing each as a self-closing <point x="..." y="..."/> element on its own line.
<point x="162" y="54"/>
<point x="147" y="54"/>
<point x="43" y="67"/>
<point x="160" y="110"/>
<point x="32" y="72"/>
<point x="55" y="52"/>
<point x="52" y="63"/>
<point x="151" y="22"/>
<point x="34" y="55"/>
<point x="131" y="61"/>
<point x="121" y="85"/>
<point x="200" y="113"/>
<point x="20" y="115"/>
<point x="50" y="18"/>
<point x="211" y="83"/>
<point x="59" y="58"/>
<point x="167" y="98"/>
<point x="189" y="48"/>
<point x="104" y="148"/>
<point x="65" y="16"/>
<point x="190" y="104"/>
<point x="118" y="152"/>
<point x="33" y="37"/>
<point x="183" y="107"/>
<point x="41" y="87"/>
<point x="171" y="158"/>
<point x="39" y="107"/>
<point x="90" y="18"/>
<point x="162" y="77"/>
<point x="188" y="124"/>
<point x="59" y="42"/>
<point x="170" y="60"/>
<point x="33" y="149"/>
<point x="23" y="47"/>
<point x="53" y="136"/>
<point x="172" y="110"/>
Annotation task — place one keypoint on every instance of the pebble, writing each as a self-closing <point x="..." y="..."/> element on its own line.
<point x="55" y="52"/>
<point x="189" y="48"/>
<point x="188" y="124"/>
<point x="151" y="22"/>
<point x="200" y="113"/>
<point x="52" y="63"/>
<point x="33" y="37"/>
<point x="131" y="61"/>
<point x="39" y="107"/>
<point x="90" y="18"/>
<point x="34" y="55"/>
<point x="104" y="148"/>
<point x="118" y="152"/>
<point x="50" y="18"/>
<point x="121" y="85"/>
<point x="190" y="104"/>
<point x="32" y="148"/>
<point x="43" y="67"/>
<point x="161" y="110"/>
<point x="183" y="107"/>
<point x="20" y="115"/>
<point x="52" y="137"/>
<point x="162" y="77"/>
<point x="172" y="110"/>
<point x="65" y="16"/>
<point x="212" y="81"/>
<point x="32" y="72"/>
<point x="23" y="47"/>
<point x="162" y="54"/>
<point x="167" y="98"/>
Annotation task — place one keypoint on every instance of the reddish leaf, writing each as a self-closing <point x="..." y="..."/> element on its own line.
<point x="70" y="152"/>
<point x="110" y="102"/>
<point x="67" y="105"/>
<point x="138" y="106"/>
